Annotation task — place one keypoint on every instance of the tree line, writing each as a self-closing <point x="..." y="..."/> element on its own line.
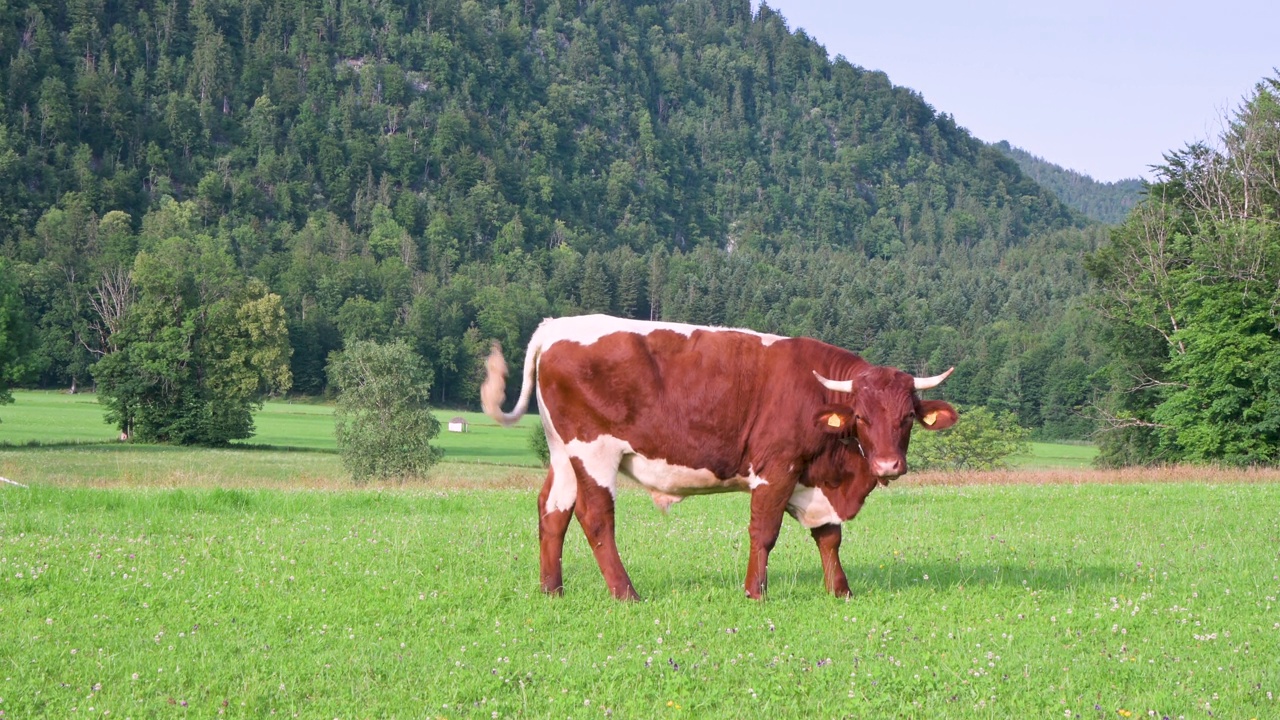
<point x="1190" y="301"/>
<point x="239" y="189"/>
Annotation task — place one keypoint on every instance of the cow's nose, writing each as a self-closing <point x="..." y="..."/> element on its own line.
<point x="889" y="469"/>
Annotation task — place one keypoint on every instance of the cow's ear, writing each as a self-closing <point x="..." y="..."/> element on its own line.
<point x="937" y="415"/>
<point x="835" y="419"/>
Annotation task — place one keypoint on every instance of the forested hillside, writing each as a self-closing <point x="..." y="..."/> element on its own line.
<point x="449" y="172"/>
<point x="1106" y="202"/>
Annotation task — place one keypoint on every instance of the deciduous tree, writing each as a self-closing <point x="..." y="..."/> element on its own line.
<point x="1191" y="286"/>
<point x="196" y="351"/>
<point x="982" y="440"/>
<point x="15" y="334"/>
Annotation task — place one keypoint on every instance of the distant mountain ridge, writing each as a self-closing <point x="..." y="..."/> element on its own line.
<point x="1105" y="202"/>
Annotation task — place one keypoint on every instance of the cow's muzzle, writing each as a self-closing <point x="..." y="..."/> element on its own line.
<point x="888" y="469"/>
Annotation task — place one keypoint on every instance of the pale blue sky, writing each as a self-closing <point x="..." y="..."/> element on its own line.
<point x="1104" y="88"/>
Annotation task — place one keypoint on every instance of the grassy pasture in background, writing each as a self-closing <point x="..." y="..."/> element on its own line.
<point x="310" y="426"/>
<point x="994" y="601"/>
<point x="54" y="418"/>
<point x="1056" y="455"/>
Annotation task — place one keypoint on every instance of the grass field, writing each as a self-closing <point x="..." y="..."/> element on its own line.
<point x="253" y="581"/>
<point x="1056" y="455"/>
<point x="58" y="418"/>
<point x="54" y="418"/>
<point x="994" y="601"/>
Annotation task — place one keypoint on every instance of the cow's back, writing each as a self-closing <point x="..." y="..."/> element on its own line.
<point x="684" y="394"/>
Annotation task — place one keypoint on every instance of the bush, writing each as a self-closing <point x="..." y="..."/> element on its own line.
<point x="538" y="444"/>
<point x="981" y="440"/>
<point x="383" y="423"/>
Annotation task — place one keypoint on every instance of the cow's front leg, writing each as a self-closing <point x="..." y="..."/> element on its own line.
<point x="768" y="504"/>
<point x="828" y="539"/>
<point x="595" y="514"/>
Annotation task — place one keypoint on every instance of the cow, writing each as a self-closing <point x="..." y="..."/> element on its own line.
<point x="805" y="427"/>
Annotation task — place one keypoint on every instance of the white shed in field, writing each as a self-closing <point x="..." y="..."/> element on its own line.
<point x="458" y="424"/>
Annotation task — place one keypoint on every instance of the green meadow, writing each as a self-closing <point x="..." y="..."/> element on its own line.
<point x="254" y="581"/>
<point x="1056" y="455"/>
<point x="54" y="418"/>
<point x="1069" y="600"/>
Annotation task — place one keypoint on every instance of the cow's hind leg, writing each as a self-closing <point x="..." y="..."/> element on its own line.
<point x="595" y="511"/>
<point x="828" y="539"/>
<point x="553" y="522"/>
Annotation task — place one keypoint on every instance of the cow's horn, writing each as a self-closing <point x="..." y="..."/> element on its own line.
<point x="932" y="382"/>
<point x="837" y="385"/>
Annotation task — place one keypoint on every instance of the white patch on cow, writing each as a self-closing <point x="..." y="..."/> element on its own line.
<point x="811" y="507"/>
<point x="753" y="480"/>
<point x="605" y="456"/>
<point x="658" y="475"/>
<point x="587" y="329"/>
<point x="564" y="484"/>
<point x="600" y="459"/>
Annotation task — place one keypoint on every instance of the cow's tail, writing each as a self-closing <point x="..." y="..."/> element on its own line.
<point x="494" y="389"/>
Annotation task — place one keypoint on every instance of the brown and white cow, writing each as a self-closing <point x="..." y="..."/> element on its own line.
<point x="805" y="427"/>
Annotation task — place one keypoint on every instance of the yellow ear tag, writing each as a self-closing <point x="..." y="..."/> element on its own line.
<point x="930" y="418"/>
<point x="835" y="421"/>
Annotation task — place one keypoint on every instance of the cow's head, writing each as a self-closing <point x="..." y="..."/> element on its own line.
<point x="879" y="419"/>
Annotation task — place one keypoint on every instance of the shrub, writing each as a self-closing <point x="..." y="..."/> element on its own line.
<point x="383" y="423"/>
<point x="538" y="443"/>
<point x="981" y="440"/>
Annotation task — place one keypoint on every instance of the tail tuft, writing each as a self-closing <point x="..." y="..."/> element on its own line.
<point x="494" y="389"/>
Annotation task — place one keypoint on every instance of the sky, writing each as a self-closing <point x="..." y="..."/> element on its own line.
<point x="1105" y="88"/>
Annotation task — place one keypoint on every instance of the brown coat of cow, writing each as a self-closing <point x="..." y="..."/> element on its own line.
<point x="688" y="410"/>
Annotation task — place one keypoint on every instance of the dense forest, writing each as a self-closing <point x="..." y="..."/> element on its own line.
<point x="178" y="178"/>
<point x="1106" y="202"/>
<point x="1189" y="300"/>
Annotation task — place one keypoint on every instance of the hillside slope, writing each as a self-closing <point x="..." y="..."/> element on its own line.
<point x="675" y="123"/>
<point x="449" y="171"/>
